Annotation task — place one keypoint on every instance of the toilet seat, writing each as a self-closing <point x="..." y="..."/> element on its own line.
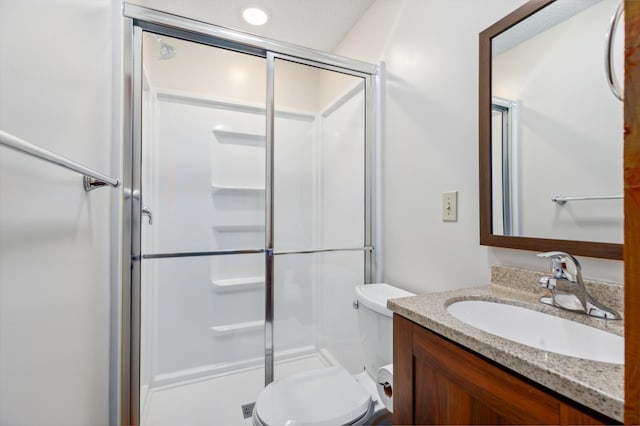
<point x="325" y="397"/>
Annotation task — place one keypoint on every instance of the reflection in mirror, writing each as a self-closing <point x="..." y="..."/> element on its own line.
<point x="504" y="144"/>
<point x="555" y="127"/>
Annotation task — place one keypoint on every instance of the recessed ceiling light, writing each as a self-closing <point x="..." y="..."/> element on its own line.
<point x="255" y="16"/>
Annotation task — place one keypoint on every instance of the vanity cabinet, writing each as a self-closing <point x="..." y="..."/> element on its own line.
<point x="437" y="381"/>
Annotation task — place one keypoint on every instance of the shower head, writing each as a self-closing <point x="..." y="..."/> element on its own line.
<point x="166" y="50"/>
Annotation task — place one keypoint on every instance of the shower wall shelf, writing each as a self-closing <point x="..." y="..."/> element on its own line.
<point x="225" y="189"/>
<point x="230" y="137"/>
<point x="238" y="327"/>
<point x="230" y="285"/>
<point x="236" y="151"/>
<point x="238" y="228"/>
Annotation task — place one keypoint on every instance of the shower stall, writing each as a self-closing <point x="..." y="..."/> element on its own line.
<point x="250" y="215"/>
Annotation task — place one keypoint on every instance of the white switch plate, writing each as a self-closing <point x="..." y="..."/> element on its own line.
<point x="450" y="206"/>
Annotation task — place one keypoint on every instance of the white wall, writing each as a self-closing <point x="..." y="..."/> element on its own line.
<point x="59" y="86"/>
<point x="430" y="50"/>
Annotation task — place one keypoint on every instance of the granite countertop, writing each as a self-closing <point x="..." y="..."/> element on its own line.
<point x="597" y="385"/>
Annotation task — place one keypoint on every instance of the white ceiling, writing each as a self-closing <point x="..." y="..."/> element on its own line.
<point x="318" y="24"/>
<point x="541" y="21"/>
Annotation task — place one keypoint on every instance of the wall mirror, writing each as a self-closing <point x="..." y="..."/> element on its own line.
<point x="551" y="130"/>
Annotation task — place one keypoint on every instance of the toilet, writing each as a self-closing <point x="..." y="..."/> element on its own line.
<point x="332" y="396"/>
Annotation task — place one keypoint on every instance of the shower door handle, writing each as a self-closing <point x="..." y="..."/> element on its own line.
<point x="147" y="212"/>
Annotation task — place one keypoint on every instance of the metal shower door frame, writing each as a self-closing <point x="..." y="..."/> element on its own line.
<point x="125" y="400"/>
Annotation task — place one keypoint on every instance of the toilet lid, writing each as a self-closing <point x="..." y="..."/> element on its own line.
<point x="329" y="396"/>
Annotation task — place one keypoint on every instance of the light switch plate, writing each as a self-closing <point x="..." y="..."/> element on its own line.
<point x="450" y="206"/>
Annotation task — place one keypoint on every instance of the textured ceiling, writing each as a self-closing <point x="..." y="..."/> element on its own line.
<point x="318" y="24"/>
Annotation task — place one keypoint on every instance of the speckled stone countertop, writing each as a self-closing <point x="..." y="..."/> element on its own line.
<point x="597" y="385"/>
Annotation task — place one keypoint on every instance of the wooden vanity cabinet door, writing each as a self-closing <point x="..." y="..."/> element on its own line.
<point x="438" y="382"/>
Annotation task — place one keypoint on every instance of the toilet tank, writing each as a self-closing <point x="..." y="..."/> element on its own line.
<point x="375" y="324"/>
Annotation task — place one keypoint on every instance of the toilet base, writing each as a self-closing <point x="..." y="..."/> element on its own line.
<point x="381" y="417"/>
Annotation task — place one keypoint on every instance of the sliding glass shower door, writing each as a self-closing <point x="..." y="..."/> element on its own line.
<point x="320" y="233"/>
<point x="252" y="206"/>
<point x="203" y="229"/>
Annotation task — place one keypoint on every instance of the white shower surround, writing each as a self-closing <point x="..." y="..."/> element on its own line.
<point x="310" y="320"/>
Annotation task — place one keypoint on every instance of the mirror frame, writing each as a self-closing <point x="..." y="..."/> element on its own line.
<point x="487" y="238"/>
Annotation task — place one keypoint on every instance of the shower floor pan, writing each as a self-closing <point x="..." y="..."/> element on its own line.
<point x="215" y="401"/>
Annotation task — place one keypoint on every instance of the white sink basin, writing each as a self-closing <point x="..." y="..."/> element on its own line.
<point x="540" y="330"/>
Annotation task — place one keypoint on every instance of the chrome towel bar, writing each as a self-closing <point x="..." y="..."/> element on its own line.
<point x="562" y="199"/>
<point x="92" y="179"/>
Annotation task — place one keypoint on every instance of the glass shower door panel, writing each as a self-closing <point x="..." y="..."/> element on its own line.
<point x="202" y="340"/>
<point x="203" y="147"/>
<point x="315" y="325"/>
<point x="207" y="186"/>
<point x="319" y="205"/>
<point x="197" y="326"/>
<point x="203" y="180"/>
<point x="319" y="157"/>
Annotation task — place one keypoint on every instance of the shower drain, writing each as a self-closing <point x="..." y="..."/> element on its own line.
<point x="247" y="410"/>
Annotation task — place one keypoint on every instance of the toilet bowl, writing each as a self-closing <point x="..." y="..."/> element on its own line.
<point x="327" y="396"/>
<point x="332" y="396"/>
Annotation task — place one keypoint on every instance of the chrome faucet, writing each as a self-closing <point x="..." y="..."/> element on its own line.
<point x="567" y="288"/>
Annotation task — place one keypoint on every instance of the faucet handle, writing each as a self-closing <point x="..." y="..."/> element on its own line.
<point x="554" y="254"/>
<point x="559" y="261"/>
<point x="547" y="282"/>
